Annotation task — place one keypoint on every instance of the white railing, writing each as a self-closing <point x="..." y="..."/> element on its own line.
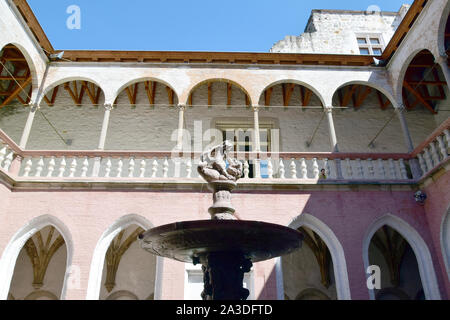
<point x="114" y="165"/>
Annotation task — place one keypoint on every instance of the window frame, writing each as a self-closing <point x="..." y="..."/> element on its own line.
<point x="368" y="45"/>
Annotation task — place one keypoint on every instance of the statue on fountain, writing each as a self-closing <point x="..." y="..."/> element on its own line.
<point x="221" y="172"/>
<point x="213" y="164"/>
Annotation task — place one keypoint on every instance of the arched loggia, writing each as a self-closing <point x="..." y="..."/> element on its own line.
<point x="366" y="111"/>
<point x="425" y="95"/>
<point x="70" y="116"/>
<point x="148" y="107"/>
<point x="16" y="87"/>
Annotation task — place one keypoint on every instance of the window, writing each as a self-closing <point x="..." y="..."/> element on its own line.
<point x="194" y="282"/>
<point x="241" y="135"/>
<point x="370" y="44"/>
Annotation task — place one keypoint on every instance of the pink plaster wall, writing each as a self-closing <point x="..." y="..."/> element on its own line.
<point x="87" y="214"/>
<point x="437" y="206"/>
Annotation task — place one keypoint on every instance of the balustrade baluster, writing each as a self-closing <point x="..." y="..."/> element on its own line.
<point x="39" y="167"/>
<point x="8" y="161"/>
<point x="131" y="164"/>
<point x="442" y="147"/>
<point x="165" y="167"/>
<point x="51" y="166"/>
<point x="27" y="169"/>
<point x="392" y="168"/>
<point x="381" y="169"/>
<point x="154" y="168"/>
<point x="85" y="167"/>
<point x="360" y="168"/>
<point x="108" y="167"/>
<point x="269" y="168"/>
<point x="119" y="168"/>
<point x="370" y="168"/>
<point x="189" y="168"/>
<point x="62" y="167"/>
<point x="434" y="153"/>
<point x="293" y="168"/>
<point x="73" y="168"/>
<point x="422" y="163"/>
<point x="403" y="171"/>
<point x="281" y="169"/>
<point x="315" y="168"/>
<point x="2" y="154"/>
<point x="142" y="168"/>
<point x="246" y="169"/>
<point x="349" y="168"/>
<point x="326" y="165"/>
<point x="428" y="159"/>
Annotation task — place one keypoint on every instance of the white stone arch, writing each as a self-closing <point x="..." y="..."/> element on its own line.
<point x="441" y="29"/>
<point x="12" y="250"/>
<point x="58" y="82"/>
<point x="196" y="85"/>
<point x="418" y="245"/>
<point x="31" y="65"/>
<point x="445" y="241"/>
<point x="404" y="68"/>
<point x="385" y="90"/>
<point x="98" y="258"/>
<point x="142" y="79"/>
<point x="299" y="82"/>
<point x="335" y="247"/>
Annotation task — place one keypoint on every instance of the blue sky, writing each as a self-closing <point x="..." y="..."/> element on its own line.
<point x="196" y="25"/>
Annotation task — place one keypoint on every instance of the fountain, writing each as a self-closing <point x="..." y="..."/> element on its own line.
<point x="224" y="246"/>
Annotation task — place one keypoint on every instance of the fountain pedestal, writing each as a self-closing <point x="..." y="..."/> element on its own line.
<point x="226" y="247"/>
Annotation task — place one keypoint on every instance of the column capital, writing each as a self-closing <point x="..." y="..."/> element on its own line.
<point x="34" y="106"/>
<point x="108" y="106"/>
<point x="181" y="106"/>
<point x="328" y="109"/>
<point x="255" y="108"/>
<point x="442" y="59"/>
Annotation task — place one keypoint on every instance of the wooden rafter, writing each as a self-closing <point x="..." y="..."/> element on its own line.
<point x="288" y="89"/>
<point x="228" y="94"/>
<point x="27" y="99"/>
<point x="364" y="91"/>
<point x="76" y="97"/>
<point x="51" y="101"/>
<point x="132" y="93"/>
<point x="94" y="95"/>
<point x="170" y="95"/>
<point x="16" y="92"/>
<point x="305" y="94"/>
<point x="150" y="89"/>
<point x="418" y="96"/>
<point x="349" y="91"/>
<point x="267" y="96"/>
<point x="209" y="93"/>
<point x="383" y="104"/>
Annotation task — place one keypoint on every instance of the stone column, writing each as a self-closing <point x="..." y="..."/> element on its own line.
<point x="331" y="130"/>
<point x="105" y="124"/>
<point x="256" y="142"/>
<point x="333" y="140"/>
<point x="28" y="125"/>
<point x="442" y="61"/>
<point x="181" y="108"/>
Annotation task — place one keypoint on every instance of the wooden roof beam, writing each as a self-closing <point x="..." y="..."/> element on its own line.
<point x="419" y="96"/>
<point x="267" y="96"/>
<point x="16" y="92"/>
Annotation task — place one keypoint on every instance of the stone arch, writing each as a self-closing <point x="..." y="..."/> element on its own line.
<point x="445" y="241"/>
<point x="195" y="86"/>
<point x="36" y="295"/>
<point x="61" y="81"/>
<point x="12" y="250"/>
<point x="419" y="247"/>
<point x="98" y="257"/>
<point x="336" y="251"/>
<point x="31" y="65"/>
<point x="310" y="294"/>
<point x="444" y="20"/>
<point x="297" y="82"/>
<point x="142" y="80"/>
<point x="387" y="92"/>
<point x="122" y="293"/>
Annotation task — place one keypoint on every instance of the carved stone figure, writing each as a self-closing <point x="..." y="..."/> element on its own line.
<point x="221" y="172"/>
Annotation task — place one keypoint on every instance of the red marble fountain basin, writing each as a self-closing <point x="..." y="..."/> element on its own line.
<point x="184" y="241"/>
